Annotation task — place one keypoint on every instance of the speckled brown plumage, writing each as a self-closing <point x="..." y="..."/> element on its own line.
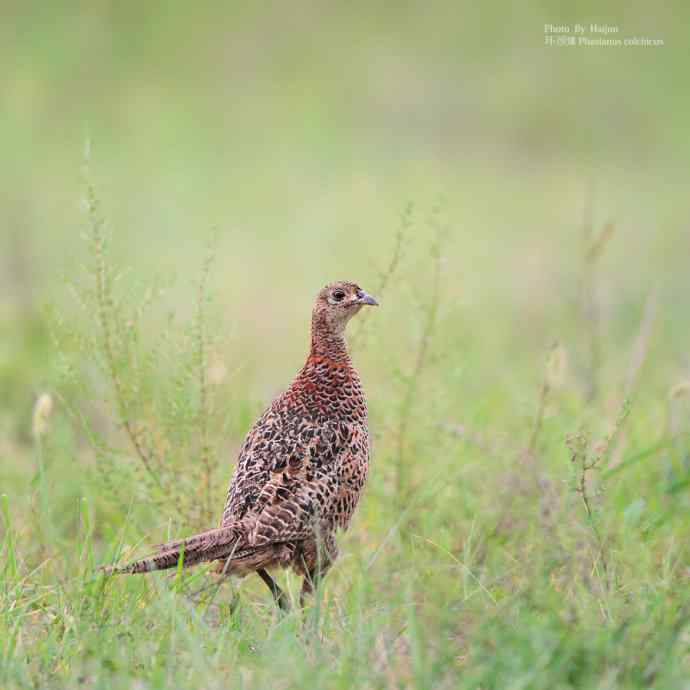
<point x="301" y="468"/>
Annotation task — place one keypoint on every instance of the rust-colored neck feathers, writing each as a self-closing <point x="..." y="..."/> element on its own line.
<point x="328" y="341"/>
<point x="328" y="386"/>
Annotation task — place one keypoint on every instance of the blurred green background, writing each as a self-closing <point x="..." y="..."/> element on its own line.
<point x="300" y="133"/>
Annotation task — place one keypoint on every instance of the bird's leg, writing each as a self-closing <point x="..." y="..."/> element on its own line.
<point x="311" y="580"/>
<point x="307" y="586"/>
<point x="326" y="553"/>
<point x="277" y="593"/>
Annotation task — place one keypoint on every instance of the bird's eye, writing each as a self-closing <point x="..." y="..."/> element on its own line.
<point x="338" y="295"/>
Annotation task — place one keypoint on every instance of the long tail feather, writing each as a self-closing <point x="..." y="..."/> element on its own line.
<point x="207" y="546"/>
<point x="209" y="536"/>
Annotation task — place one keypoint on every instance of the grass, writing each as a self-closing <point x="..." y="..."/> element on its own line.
<point x="525" y="524"/>
<point x="495" y="548"/>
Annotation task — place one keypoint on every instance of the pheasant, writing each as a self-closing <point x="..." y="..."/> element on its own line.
<point x="301" y="468"/>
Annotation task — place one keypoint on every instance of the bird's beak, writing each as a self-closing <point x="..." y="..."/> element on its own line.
<point x="364" y="298"/>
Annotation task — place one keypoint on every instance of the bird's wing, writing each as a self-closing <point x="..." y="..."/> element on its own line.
<point x="317" y="490"/>
<point x="296" y="504"/>
<point x="279" y="435"/>
<point x="258" y="454"/>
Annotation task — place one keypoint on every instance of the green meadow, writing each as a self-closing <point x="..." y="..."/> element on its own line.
<point x="177" y="185"/>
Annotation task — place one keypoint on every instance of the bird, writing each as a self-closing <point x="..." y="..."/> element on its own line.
<point x="301" y="468"/>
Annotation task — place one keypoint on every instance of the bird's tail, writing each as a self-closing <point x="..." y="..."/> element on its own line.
<point x="215" y="544"/>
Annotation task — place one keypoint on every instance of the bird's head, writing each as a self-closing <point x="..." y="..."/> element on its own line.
<point x="338" y="302"/>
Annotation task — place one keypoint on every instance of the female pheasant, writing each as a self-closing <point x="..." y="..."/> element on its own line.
<point x="301" y="468"/>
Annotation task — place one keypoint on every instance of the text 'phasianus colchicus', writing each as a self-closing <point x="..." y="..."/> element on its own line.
<point x="301" y="468"/>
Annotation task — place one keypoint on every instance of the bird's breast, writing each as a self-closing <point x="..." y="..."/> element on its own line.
<point x="325" y="392"/>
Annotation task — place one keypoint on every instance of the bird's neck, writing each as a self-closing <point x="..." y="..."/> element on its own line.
<point x="328" y="343"/>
